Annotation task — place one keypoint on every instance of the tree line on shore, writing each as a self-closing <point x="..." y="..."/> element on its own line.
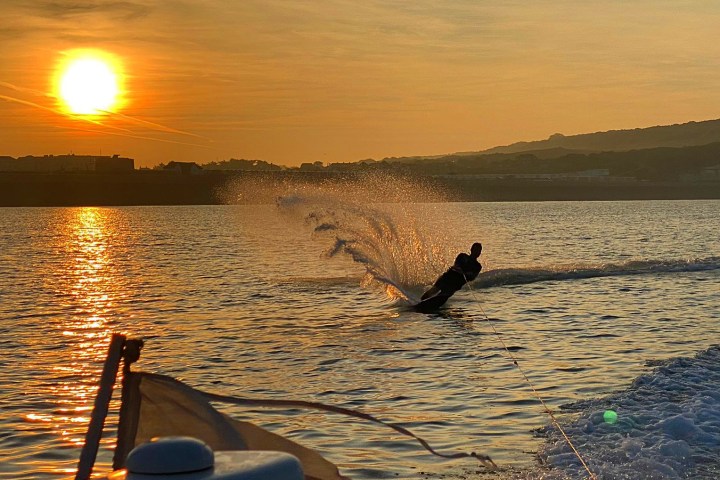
<point x="659" y="164"/>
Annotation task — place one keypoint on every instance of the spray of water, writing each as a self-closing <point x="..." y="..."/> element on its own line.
<point x="395" y="227"/>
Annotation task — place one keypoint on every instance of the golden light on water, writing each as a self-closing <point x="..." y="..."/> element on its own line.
<point x="89" y="82"/>
<point x="90" y="285"/>
<point x="87" y="282"/>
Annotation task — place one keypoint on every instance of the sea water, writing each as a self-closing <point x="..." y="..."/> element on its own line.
<point x="604" y="306"/>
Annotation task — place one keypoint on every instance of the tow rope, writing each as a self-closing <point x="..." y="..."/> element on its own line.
<point x="553" y="420"/>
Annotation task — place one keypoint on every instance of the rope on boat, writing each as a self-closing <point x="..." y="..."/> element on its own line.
<point x="553" y="419"/>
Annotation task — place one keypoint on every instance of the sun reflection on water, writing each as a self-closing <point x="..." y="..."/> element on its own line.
<point x="88" y="286"/>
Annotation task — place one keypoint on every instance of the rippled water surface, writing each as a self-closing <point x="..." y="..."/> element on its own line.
<point x="245" y="300"/>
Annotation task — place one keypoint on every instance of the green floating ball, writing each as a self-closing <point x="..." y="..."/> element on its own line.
<point x="610" y="416"/>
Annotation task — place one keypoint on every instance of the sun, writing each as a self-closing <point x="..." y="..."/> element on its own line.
<point x="88" y="82"/>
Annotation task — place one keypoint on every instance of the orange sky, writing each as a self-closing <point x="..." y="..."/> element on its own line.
<point x="339" y="81"/>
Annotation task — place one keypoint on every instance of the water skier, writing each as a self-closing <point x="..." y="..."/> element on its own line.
<point x="465" y="269"/>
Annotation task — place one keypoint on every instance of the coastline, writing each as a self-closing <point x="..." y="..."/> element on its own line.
<point x="65" y="189"/>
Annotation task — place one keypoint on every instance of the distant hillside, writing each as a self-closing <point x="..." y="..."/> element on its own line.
<point x="656" y="164"/>
<point x="679" y="135"/>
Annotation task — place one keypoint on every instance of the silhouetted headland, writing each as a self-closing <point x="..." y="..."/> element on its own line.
<point x="658" y="163"/>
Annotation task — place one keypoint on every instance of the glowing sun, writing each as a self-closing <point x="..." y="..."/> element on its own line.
<point x="88" y="82"/>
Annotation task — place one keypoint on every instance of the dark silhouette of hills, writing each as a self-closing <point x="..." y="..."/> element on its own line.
<point x="678" y="135"/>
<point x="664" y="162"/>
<point x="683" y="152"/>
<point x="558" y="145"/>
<point x="660" y="163"/>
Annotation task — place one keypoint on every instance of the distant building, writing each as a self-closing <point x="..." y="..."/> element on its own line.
<point x="598" y="174"/>
<point x="707" y="174"/>
<point x="235" y="164"/>
<point x="115" y="163"/>
<point x="67" y="163"/>
<point x="311" y="167"/>
<point x="184" y="168"/>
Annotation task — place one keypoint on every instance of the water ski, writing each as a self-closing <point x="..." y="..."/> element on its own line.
<point x="431" y="304"/>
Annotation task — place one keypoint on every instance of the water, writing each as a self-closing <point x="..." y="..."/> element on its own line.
<point x="256" y="300"/>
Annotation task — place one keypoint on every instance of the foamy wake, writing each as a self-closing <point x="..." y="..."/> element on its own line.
<point x="668" y="426"/>
<point x="522" y="276"/>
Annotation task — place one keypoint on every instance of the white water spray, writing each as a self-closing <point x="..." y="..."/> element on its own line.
<point x="377" y="220"/>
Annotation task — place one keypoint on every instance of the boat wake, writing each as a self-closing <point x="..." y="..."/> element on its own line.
<point x="666" y="425"/>
<point x="523" y="276"/>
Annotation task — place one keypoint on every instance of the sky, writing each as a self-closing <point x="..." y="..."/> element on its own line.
<point x="340" y="81"/>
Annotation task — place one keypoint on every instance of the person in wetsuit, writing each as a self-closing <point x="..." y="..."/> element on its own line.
<point x="465" y="269"/>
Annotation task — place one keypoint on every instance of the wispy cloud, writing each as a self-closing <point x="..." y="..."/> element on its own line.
<point x="125" y="11"/>
<point x="95" y="119"/>
<point x="152" y="125"/>
<point x="141" y="137"/>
